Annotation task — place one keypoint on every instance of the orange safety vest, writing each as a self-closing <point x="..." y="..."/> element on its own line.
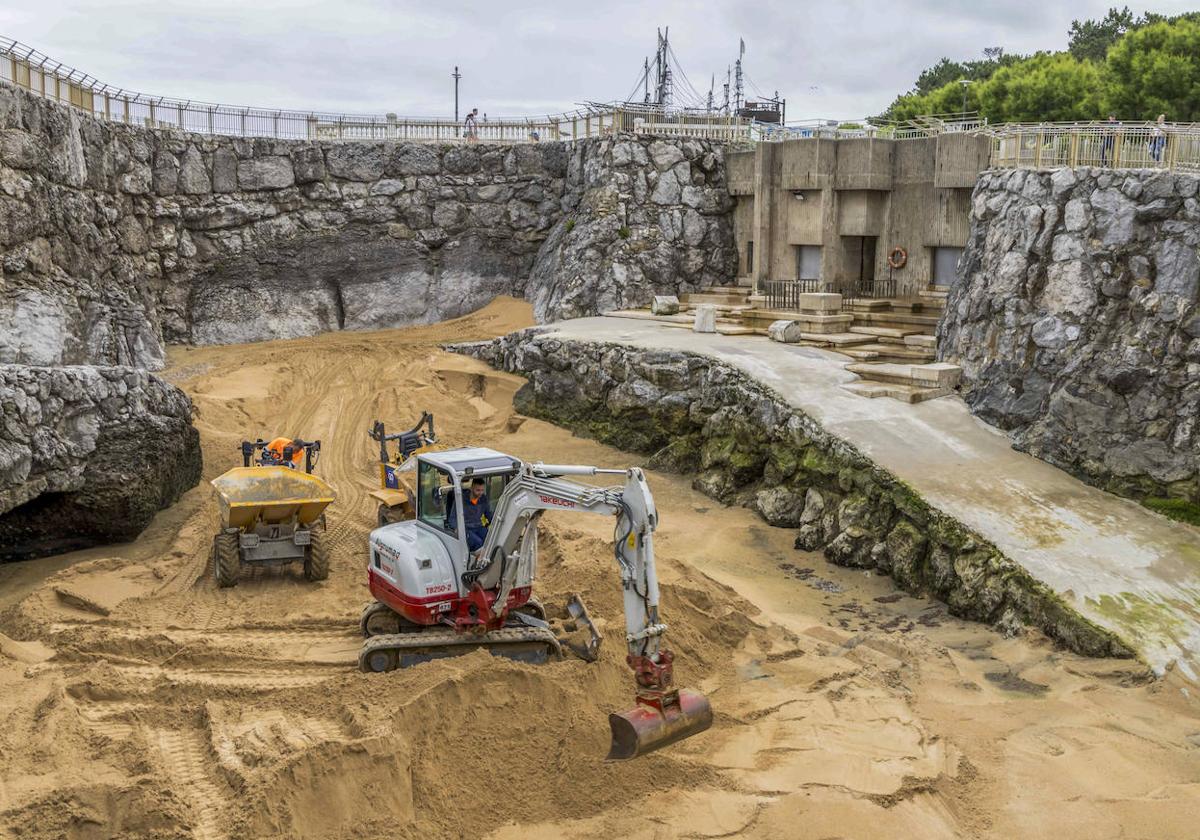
<point x="277" y="446"/>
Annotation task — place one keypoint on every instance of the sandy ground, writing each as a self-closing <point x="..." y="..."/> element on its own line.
<point x="138" y="700"/>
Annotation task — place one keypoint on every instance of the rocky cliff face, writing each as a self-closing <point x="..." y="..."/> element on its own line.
<point x="639" y="218"/>
<point x="115" y="240"/>
<point x="1077" y="323"/>
<point x="88" y="455"/>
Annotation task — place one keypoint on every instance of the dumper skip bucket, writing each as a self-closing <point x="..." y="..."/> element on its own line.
<point x="644" y="728"/>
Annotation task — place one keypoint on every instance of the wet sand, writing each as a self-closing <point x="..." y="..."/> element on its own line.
<point x="138" y="700"/>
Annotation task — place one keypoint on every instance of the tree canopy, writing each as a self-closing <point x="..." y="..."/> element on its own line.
<point x="1133" y="67"/>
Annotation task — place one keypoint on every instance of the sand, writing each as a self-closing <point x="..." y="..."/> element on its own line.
<point x="138" y="700"/>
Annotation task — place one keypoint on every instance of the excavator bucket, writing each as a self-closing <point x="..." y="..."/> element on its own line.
<point x="644" y="728"/>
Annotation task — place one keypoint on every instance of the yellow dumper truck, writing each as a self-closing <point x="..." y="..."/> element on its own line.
<point x="272" y="511"/>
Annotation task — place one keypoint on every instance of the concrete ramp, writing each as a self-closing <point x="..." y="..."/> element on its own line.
<point x="1124" y="567"/>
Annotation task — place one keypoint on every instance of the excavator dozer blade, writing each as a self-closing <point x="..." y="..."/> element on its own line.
<point x="644" y="729"/>
<point x="580" y="636"/>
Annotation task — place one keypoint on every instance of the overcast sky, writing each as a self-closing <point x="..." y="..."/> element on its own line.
<point x="831" y="60"/>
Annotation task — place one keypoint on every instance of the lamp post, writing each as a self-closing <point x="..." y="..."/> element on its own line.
<point x="964" y="83"/>
<point x="456" y="75"/>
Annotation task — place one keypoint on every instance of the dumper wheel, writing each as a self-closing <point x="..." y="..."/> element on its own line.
<point x="316" y="561"/>
<point x="384" y="516"/>
<point x="226" y="559"/>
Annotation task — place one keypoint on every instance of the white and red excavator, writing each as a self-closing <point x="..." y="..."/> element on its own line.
<point x="435" y="597"/>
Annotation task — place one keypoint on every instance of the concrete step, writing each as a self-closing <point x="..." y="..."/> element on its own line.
<point x="723" y="328"/>
<point x="934" y="287"/>
<point x="690" y="306"/>
<point x="866" y="305"/>
<point x="886" y="332"/>
<point x="646" y="315"/>
<point x="904" y="393"/>
<point x="934" y="294"/>
<point x="809" y="322"/>
<point x="923" y="376"/>
<point x="928" y="342"/>
<point x="696" y="298"/>
<point x="896" y="320"/>
<point x="837" y="339"/>
<point x="900" y="354"/>
<point x="928" y="306"/>
<point x="859" y="355"/>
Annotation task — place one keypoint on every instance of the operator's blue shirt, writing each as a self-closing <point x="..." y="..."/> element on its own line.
<point x="475" y="511"/>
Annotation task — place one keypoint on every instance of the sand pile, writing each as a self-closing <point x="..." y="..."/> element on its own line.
<point x="139" y="700"/>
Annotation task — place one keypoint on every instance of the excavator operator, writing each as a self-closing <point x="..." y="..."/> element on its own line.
<point x="477" y="515"/>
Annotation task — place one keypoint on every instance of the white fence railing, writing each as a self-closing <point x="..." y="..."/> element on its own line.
<point x="1103" y="144"/>
<point x="1042" y="146"/>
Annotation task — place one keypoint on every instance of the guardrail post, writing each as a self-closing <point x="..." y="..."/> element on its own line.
<point x="1037" y="152"/>
<point x="242" y="122"/>
<point x="1073" y="155"/>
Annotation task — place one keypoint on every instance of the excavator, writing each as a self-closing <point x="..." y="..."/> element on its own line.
<point x="435" y="597"/>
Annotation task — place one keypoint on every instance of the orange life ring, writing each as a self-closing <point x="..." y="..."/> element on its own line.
<point x="898" y="258"/>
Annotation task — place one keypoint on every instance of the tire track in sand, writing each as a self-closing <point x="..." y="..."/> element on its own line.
<point x="186" y="761"/>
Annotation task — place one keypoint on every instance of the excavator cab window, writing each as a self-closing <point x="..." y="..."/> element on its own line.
<point x="436" y="502"/>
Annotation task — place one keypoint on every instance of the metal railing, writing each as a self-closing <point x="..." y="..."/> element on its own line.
<point x="1041" y="146"/>
<point x="1103" y="144"/>
<point x="39" y="74"/>
<point x="785" y="294"/>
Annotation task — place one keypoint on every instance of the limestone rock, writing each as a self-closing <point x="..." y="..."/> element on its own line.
<point x="88" y="455"/>
<point x="664" y="305"/>
<point x="120" y="239"/>
<point x="785" y="331"/>
<point x="780" y="506"/>
<point x="706" y="319"/>
<point x="1078" y="346"/>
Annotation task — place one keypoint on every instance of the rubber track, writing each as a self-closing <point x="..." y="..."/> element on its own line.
<point x="449" y="638"/>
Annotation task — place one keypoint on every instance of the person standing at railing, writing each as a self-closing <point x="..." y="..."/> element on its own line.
<point x="1110" y="137"/>
<point x="1158" y="138"/>
<point x="471" y="126"/>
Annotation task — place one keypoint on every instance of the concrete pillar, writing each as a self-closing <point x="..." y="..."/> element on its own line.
<point x="765" y="155"/>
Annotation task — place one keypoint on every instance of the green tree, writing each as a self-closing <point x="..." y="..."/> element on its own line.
<point x="934" y="80"/>
<point x="1090" y="39"/>
<point x="1046" y="87"/>
<point x="942" y="73"/>
<point x="1154" y="70"/>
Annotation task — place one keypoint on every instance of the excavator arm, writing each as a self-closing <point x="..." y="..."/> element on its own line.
<point x="663" y="714"/>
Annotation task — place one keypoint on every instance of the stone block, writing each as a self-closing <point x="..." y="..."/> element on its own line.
<point x="938" y="375"/>
<point x="819" y="302"/>
<point x="664" y="305"/>
<point x="785" y="332"/>
<point x="706" y="319"/>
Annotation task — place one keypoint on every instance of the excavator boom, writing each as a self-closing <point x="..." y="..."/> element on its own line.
<point x="662" y="714"/>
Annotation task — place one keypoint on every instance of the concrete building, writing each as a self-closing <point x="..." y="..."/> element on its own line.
<point x="830" y="211"/>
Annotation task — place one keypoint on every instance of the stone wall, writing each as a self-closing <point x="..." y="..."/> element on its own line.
<point x="88" y="455"/>
<point x="116" y="240"/>
<point x="1077" y="323"/>
<point x="746" y="445"/>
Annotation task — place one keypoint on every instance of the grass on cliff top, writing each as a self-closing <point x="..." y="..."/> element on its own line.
<point x="1181" y="510"/>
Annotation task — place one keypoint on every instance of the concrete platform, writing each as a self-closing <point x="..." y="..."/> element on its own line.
<point x="1123" y="566"/>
